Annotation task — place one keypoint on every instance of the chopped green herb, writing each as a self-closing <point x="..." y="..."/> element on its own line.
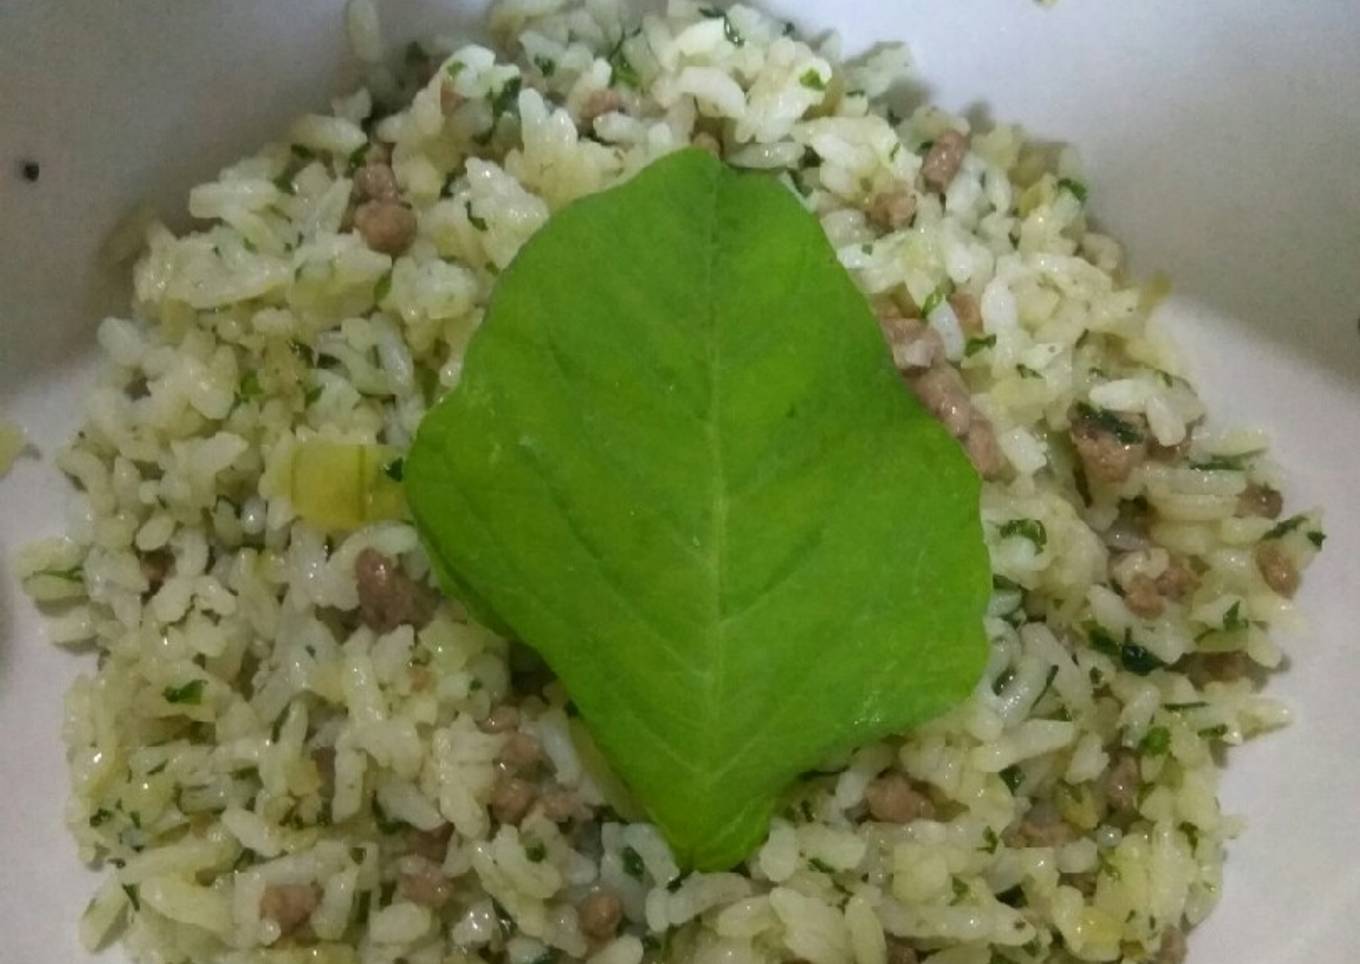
<point x="1048" y="682"/>
<point x="1195" y="705"/>
<point x="1156" y="741"/>
<point x="546" y="65"/>
<point x="1031" y="529"/>
<point x="506" y="100"/>
<point x="632" y="863"/>
<point x="158" y="768"/>
<point x="1027" y="372"/>
<point x="99" y="816"/>
<point x="249" y="387"/>
<point x="356" y="158"/>
<point x="812" y="80"/>
<point x="1233" y="619"/>
<point x="547" y="957"/>
<point x="1138" y="660"/>
<point x="190" y="693"/>
<point x="382" y="288"/>
<point x="960" y="890"/>
<point x="395" y="469"/>
<point x="789" y="28"/>
<point x="1214" y="732"/>
<point x="896" y="149"/>
<point x="976" y="345"/>
<point x="476" y="222"/>
<point x="729" y="31"/>
<point x="622" y="70"/>
<point x="1317" y="538"/>
<point x="535" y="851"/>
<point x="1073" y="187"/>
<point x="990" y="840"/>
<point x="311" y="395"/>
<point x="1134" y="658"/>
<point x="303" y="154"/>
<point x="454" y="68"/>
<point x="131" y="891"/>
<point x="1012" y="776"/>
<point x="821" y="866"/>
<point x="136" y="819"/>
<point x="1111" y="422"/>
<point x="1284" y="528"/>
<point x="249" y="245"/>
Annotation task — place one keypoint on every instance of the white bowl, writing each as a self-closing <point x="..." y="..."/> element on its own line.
<point x="1221" y="139"/>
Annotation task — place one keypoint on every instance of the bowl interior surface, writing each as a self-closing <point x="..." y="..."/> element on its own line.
<point x="1220" y="141"/>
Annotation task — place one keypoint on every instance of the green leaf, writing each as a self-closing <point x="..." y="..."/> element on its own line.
<point x="697" y="486"/>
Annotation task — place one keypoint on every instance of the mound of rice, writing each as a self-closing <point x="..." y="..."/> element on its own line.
<point x="267" y="771"/>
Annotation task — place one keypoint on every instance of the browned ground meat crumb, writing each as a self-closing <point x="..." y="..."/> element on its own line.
<point x="155" y="566"/>
<point x="389" y="598"/>
<point x="944" y="159"/>
<point x="511" y="799"/>
<point x="561" y="805"/>
<point x="1169" y="453"/>
<point x="425" y="885"/>
<point x="1143" y="598"/>
<point x="943" y="393"/>
<point x="1277" y="569"/>
<point x="289" y="905"/>
<point x="1204" y="668"/>
<point x="375" y="182"/>
<point x="915" y="345"/>
<point x="599" y="103"/>
<point x="433" y="844"/>
<point x="1042" y="826"/>
<point x="890" y="210"/>
<point x="386" y="226"/>
<point x="501" y="719"/>
<point x="521" y="753"/>
<point x="982" y="448"/>
<point x="1121" y="782"/>
<point x="1172" y="949"/>
<point x="1104" y="456"/>
<point x="323" y="757"/>
<point x="600" y="914"/>
<point x="1177" y="580"/>
<point x="968" y="312"/>
<point x="892" y="798"/>
<point x="900" y="952"/>
<point x="1260" y="500"/>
